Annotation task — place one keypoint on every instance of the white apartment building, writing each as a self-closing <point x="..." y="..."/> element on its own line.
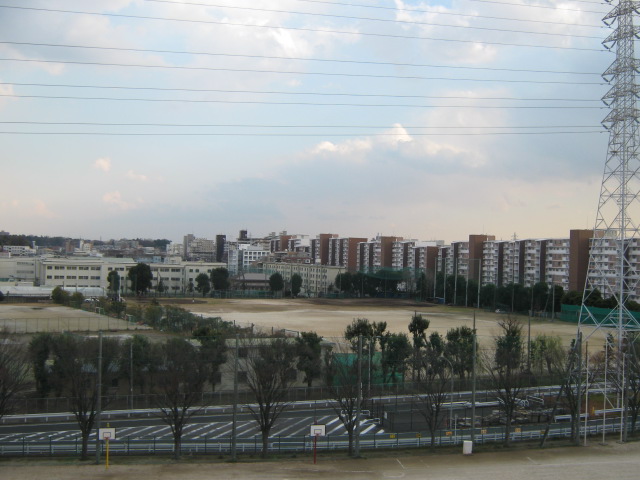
<point x="511" y="269"/>
<point x="460" y="252"/>
<point x="604" y="275"/>
<point x="534" y="261"/>
<point x="445" y="262"/>
<point x="402" y="253"/>
<point x="299" y="243"/>
<point x="557" y="262"/>
<point x="200" y="249"/>
<point x="418" y="254"/>
<point x="241" y="257"/>
<point x="18" y="250"/>
<point x="316" y="279"/>
<point x="491" y="256"/>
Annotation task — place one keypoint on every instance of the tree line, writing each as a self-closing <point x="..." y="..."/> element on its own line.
<point x="177" y="371"/>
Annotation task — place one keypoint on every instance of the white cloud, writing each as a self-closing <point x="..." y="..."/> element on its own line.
<point x="103" y="164"/>
<point x="115" y="199"/>
<point x="137" y="176"/>
<point x="41" y="209"/>
<point x="5" y="91"/>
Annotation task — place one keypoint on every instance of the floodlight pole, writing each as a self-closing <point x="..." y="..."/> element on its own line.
<point x="235" y="404"/>
<point x="99" y="399"/>
<point x="473" y="380"/>
<point x="359" y="404"/>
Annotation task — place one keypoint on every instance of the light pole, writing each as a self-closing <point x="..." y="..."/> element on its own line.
<point x="359" y="400"/>
<point x="473" y="382"/>
<point x="451" y="393"/>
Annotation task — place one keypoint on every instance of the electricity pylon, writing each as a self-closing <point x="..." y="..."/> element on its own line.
<point x="614" y="257"/>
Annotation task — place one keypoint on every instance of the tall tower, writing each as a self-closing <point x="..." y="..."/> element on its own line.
<point x="615" y="249"/>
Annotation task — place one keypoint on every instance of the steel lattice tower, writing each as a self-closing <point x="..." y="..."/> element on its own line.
<point x="614" y="258"/>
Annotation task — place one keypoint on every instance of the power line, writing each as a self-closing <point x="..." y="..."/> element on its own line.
<point x="272" y="57"/>
<point x="370" y="19"/>
<point x="271" y="92"/>
<point x="432" y="11"/>
<point x="277" y="27"/>
<point x="232" y="134"/>
<point x="294" y="72"/>
<point x="263" y="102"/>
<point x="438" y="12"/>
<point x="296" y="126"/>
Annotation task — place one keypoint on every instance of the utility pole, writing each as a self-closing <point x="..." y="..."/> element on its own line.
<point x="473" y="380"/>
<point x="131" y="372"/>
<point x="359" y="404"/>
<point x="235" y="403"/>
<point x="99" y="399"/>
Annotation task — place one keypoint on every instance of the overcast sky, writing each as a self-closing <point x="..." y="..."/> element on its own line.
<point x="428" y="120"/>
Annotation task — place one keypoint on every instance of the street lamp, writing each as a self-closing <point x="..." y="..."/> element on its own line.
<point x="451" y="393"/>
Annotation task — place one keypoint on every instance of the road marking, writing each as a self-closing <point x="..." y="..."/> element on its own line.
<point x="398" y="460"/>
<point x="368" y="429"/>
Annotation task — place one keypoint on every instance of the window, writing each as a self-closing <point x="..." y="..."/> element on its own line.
<point x="242" y="377"/>
<point x="243" y="352"/>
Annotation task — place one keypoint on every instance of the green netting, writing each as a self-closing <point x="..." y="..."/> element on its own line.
<point x="598" y="316"/>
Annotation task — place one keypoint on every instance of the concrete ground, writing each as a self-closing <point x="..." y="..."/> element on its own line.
<point x="618" y="461"/>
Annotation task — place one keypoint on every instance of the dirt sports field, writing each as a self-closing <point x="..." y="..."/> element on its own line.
<point x="330" y="317"/>
<point x="611" y="461"/>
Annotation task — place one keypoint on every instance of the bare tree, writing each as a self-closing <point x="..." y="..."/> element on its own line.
<point x="270" y="367"/>
<point x="74" y="373"/>
<point x="341" y="379"/>
<point x="506" y="369"/>
<point x="432" y="384"/>
<point x="14" y="370"/>
<point x="633" y="391"/>
<point x="181" y="378"/>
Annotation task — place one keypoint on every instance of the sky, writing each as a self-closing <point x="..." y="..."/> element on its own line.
<point x="426" y="120"/>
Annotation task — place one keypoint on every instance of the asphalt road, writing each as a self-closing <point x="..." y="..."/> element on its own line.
<point x="293" y="423"/>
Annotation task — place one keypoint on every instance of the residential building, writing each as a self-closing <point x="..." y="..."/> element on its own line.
<point x="343" y="252"/>
<point x="320" y="248"/>
<point x="316" y="279"/>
